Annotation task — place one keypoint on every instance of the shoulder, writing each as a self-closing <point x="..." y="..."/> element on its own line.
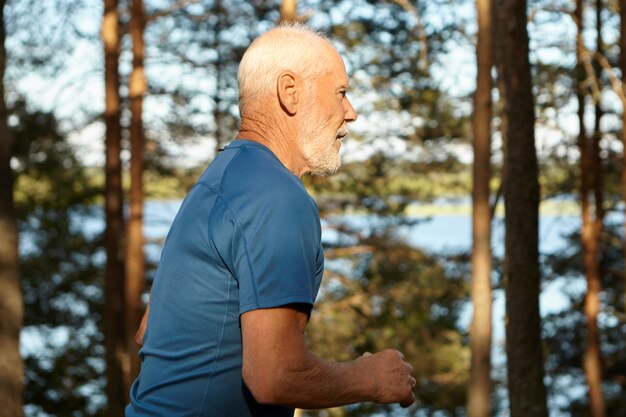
<point x="256" y="177"/>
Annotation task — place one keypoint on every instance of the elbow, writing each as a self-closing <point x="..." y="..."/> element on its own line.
<point x="266" y="387"/>
<point x="263" y="394"/>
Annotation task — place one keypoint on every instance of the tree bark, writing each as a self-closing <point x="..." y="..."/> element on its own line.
<point x="217" y="112"/>
<point x="598" y="175"/>
<point x="527" y="393"/>
<point x="592" y="358"/>
<point x="289" y="11"/>
<point x="135" y="259"/>
<point x="118" y="366"/>
<point x="11" y="303"/>
<point x="479" y="389"/>
<point x="622" y="66"/>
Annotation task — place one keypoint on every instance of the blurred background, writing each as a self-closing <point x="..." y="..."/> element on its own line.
<point x="477" y="223"/>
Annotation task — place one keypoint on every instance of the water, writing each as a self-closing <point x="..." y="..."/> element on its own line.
<point x="443" y="234"/>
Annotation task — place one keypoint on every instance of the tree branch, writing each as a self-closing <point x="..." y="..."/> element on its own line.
<point x="180" y="4"/>
<point x="419" y="27"/>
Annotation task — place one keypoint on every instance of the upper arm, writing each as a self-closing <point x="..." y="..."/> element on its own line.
<point x="270" y="241"/>
<point x="273" y="347"/>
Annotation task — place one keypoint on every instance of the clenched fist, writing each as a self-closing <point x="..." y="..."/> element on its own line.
<point x="394" y="381"/>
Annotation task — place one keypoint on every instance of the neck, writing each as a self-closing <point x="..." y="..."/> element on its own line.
<point x="277" y="135"/>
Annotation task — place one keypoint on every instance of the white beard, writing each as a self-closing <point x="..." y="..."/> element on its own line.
<point x="321" y="156"/>
<point x="319" y="150"/>
<point x="325" y="163"/>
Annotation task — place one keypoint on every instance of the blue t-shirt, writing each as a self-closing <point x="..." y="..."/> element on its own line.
<point x="247" y="236"/>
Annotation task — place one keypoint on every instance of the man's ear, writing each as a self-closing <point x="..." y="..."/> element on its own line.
<point x="288" y="92"/>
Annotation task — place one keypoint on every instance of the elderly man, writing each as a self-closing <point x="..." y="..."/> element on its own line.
<point x="243" y="261"/>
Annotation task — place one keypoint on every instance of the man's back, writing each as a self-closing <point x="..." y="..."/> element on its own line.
<point x="246" y="237"/>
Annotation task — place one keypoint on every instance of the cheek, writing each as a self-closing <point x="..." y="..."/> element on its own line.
<point x="341" y="110"/>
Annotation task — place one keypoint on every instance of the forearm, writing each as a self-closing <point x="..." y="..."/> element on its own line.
<point x="279" y="369"/>
<point x="310" y="382"/>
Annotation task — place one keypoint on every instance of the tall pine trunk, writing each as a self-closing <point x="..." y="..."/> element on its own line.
<point x="622" y="67"/>
<point x="11" y="304"/>
<point x="135" y="260"/>
<point x="289" y="11"/>
<point x="217" y="111"/>
<point x="479" y="389"/>
<point x="598" y="182"/>
<point x="117" y="372"/>
<point x="592" y="363"/>
<point x="527" y="393"/>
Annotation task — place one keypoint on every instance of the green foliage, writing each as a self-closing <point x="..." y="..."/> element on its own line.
<point x="61" y="271"/>
<point x="380" y="293"/>
<point x="45" y="161"/>
<point x="403" y="299"/>
<point x="386" y="186"/>
<point x="565" y="333"/>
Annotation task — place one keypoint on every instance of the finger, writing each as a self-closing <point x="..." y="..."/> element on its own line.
<point x="410" y="400"/>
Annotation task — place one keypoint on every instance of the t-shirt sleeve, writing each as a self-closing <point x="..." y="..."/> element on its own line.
<point x="275" y="249"/>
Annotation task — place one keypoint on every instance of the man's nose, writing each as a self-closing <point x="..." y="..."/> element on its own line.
<point x="350" y="113"/>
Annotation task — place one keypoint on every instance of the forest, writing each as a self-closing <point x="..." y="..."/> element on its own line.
<point x="497" y="123"/>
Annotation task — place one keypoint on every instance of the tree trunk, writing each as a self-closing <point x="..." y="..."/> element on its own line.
<point x="217" y="112"/>
<point x="598" y="182"/>
<point x="135" y="260"/>
<point x="527" y="393"/>
<point x="592" y="361"/>
<point x="479" y="390"/>
<point x="289" y="11"/>
<point x="118" y="366"/>
<point x="11" y="304"/>
<point x="622" y="66"/>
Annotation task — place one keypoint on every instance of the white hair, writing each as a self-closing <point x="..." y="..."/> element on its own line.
<point x="290" y="46"/>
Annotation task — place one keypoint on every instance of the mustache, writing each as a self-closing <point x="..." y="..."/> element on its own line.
<point x="343" y="132"/>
